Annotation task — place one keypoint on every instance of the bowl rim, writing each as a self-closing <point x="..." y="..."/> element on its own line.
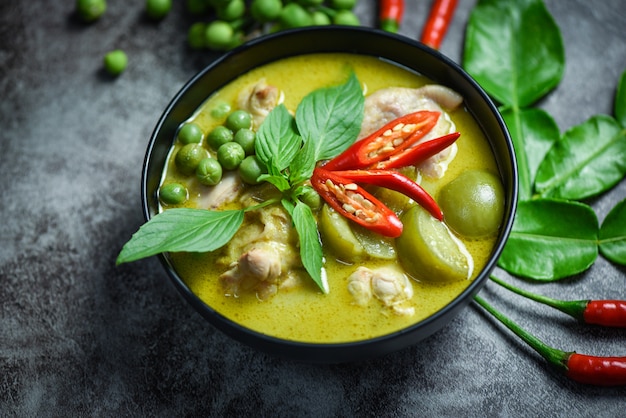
<point x="326" y="352"/>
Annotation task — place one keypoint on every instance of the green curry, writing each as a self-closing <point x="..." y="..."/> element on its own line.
<point x="296" y="309"/>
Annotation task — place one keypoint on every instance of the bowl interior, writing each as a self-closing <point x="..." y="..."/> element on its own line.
<point x="393" y="48"/>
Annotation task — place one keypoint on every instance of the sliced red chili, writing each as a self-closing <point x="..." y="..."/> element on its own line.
<point x="395" y="181"/>
<point x="395" y="136"/>
<point x="356" y="204"/>
<point x="418" y="153"/>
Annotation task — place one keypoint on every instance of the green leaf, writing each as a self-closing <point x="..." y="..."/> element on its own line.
<point x="589" y="159"/>
<point x="279" y="181"/>
<point x="551" y="239"/>
<point x="302" y="166"/>
<point x="533" y="132"/>
<point x="514" y="49"/>
<point x="331" y="118"/>
<point x="277" y="140"/>
<point x="288" y="205"/>
<point x="620" y="101"/>
<point x="613" y="234"/>
<point x="182" y="229"/>
<point x="310" y="245"/>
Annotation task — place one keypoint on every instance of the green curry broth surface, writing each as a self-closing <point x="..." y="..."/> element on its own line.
<point x="305" y="314"/>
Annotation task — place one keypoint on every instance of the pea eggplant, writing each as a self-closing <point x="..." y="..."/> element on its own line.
<point x="582" y="368"/>
<point x="607" y="313"/>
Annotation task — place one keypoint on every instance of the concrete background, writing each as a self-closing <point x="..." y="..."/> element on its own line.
<point x="80" y="337"/>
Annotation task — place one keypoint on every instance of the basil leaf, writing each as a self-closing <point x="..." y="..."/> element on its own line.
<point x="551" y="239"/>
<point x="288" y="205"/>
<point x="310" y="246"/>
<point x="301" y="168"/>
<point x="620" y="101"/>
<point x="613" y="234"/>
<point x="589" y="159"/>
<point x="277" y="140"/>
<point x="514" y="49"/>
<point x="331" y="118"/>
<point x="279" y="181"/>
<point x="182" y="229"/>
<point x="533" y="132"/>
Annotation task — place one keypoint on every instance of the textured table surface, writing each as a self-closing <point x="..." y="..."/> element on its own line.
<point x="80" y="337"/>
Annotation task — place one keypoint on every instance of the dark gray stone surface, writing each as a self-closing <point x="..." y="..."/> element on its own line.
<point x="80" y="337"/>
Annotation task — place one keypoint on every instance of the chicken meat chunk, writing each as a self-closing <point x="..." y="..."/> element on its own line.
<point x="388" y="285"/>
<point x="259" y="100"/>
<point x="258" y="268"/>
<point x="224" y="192"/>
<point x="263" y="256"/>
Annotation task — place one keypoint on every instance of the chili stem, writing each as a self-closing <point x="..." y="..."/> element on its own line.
<point x="574" y="309"/>
<point x="553" y="356"/>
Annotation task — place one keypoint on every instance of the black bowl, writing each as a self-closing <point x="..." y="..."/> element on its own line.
<point x="394" y="48"/>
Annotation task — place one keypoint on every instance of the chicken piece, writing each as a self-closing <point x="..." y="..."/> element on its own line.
<point x="360" y="286"/>
<point x="257" y="269"/>
<point x="387" y="284"/>
<point x="259" y="100"/>
<point x="391" y="285"/>
<point x="263" y="256"/>
<point x="388" y="104"/>
<point x="223" y="192"/>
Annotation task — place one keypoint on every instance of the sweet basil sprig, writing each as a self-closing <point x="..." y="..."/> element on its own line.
<point x="515" y="51"/>
<point x="326" y="122"/>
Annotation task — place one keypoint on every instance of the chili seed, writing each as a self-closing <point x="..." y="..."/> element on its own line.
<point x="375" y="217"/>
<point x="357" y="197"/>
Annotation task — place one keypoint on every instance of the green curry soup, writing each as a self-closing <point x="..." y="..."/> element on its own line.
<point x="303" y="313"/>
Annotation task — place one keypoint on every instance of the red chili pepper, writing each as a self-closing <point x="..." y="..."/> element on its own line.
<point x="395" y="181"/>
<point x="437" y="23"/>
<point x="390" y="15"/>
<point x="392" y="138"/>
<point x="593" y="370"/>
<point x="356" y="204"/>
<point x="418" y="153"/>
<point x="601" y="371"/>
<point x="608" y="313"/>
